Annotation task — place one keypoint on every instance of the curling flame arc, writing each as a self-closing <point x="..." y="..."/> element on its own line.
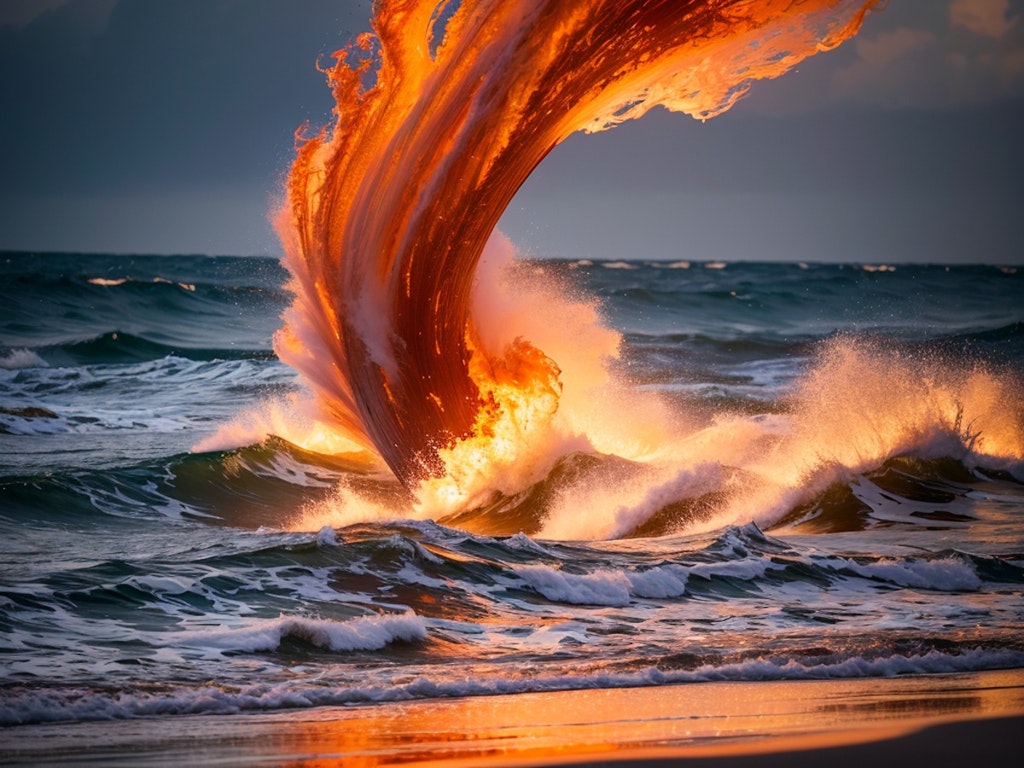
<point x="442" y="113"/>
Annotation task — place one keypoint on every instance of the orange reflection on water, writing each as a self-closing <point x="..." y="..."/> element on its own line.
<point x="705" y="719"/>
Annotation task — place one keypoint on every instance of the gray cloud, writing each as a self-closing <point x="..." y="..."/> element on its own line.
<point x="989" y="18"/>
<point x="164" y="94"/>
<point x="933" y="185"/>
<point x="913" y="54"/>
<point x="19" y="13"/>
<point x="118" y="112"/>
<point x="166" y="126"/>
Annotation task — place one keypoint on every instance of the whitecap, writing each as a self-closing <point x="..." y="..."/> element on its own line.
<point x="364" y="633"/>
<point x="602" y="587"/>
<point x="18" y="359"/>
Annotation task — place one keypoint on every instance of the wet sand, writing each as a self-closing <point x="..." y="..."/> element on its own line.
<point x="977" y="717"/>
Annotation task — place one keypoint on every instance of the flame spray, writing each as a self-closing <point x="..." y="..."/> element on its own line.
<point x="425" y="344"/>
<point x="441" y="115"/>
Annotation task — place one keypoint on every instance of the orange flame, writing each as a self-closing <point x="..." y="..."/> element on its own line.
<point x="388" y="212"/>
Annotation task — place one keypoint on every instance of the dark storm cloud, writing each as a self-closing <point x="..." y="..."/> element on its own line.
<point x="848" y="151"/>
<point x="105" y="96"/>
<point x="18" y="13"/>
<point x="166" y="125"/>
<point x="850" y="185"/>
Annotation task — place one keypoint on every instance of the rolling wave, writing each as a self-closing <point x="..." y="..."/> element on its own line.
<point x="275" y="485"/>
<point x="519" y="616"/>
<point x="96" y="309"/>
<point x="117" y="347"/>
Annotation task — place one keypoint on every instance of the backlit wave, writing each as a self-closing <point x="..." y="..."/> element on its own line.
<point x="442" y="113"/>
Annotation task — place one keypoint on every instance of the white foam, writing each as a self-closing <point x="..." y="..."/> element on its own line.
<point x="327" y="537"/>
<point x="661" y="582"/>
<point x="949" y="574"/>
<point x="604" y="587"/>
<point x="34" y="705"/>
<point x="617" y="505"/>
<point x="933" y="662"/>
<point x="292" y="417"/>
<point x="684" y="484"/>
<point x="164" y="585"/>
<point x="610" y="588"/>
<point x="365" y="633"/>
<point x="18" y="359"/>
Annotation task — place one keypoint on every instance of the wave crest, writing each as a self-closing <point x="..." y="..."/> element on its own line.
<point x="389" y="211"/>
<point x="364" y="633"/>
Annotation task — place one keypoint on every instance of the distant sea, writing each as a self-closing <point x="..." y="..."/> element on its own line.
<point x="852" y="506"/>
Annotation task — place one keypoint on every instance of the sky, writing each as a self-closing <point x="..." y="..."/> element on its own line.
<point x="148" y="126"/>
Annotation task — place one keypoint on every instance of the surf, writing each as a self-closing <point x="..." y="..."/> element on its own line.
<point x="491" y="388"/>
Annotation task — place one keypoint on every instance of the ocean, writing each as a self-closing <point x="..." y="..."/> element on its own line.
<point x="824" y="478"/>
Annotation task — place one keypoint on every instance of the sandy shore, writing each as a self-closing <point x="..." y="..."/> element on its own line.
<point x="977" y="718"/>
<point x="990" y="742"/>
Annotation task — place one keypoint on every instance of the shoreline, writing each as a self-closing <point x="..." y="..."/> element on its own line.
<point x="981" y="741"/>
<point x="789" y="723"/>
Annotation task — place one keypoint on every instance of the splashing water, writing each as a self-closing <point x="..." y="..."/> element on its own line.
<point x="473" y="384"/>
<point x="880" y="442"/>
<point x="860" y="404"/>
<point x="388" y="213"/>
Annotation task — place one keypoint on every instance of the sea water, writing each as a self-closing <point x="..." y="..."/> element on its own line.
<point x="168" y="547"/>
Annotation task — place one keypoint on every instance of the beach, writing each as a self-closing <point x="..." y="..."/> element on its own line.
<point x="414" y="484"/>
<point x="937" y="719"/>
